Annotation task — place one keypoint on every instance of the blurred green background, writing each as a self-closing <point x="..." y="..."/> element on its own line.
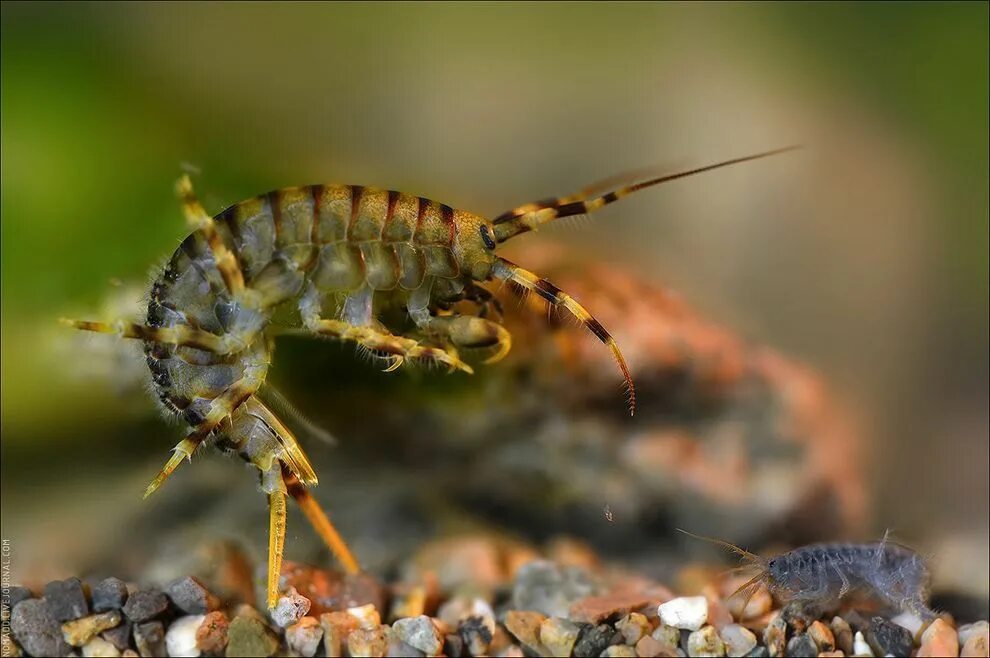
<point x="865" y="254"/>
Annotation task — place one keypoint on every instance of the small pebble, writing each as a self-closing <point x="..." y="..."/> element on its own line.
<point x="80" y="631"/>
<point x="598" y="609"/>
<point x="559" y="635"/>
<point x="843" y="635"/>
<point x="860" y="646"/>
<point x="420" y="633"/>
<point x="248" y="636"/>
<point x="705" y="643"/>
<point x="290" y="608"/>
<point x="647" y="647"/>
<point x="594" y="640"/>
<point x="525" y="625"/>
<point x="367" y="616"/>
<point x="180" y="638"/>
<point x="145" y="604"/>
<point x="212" y="634"/>
<point x="36" y="630"/>
<point x="304" y="636"/>
<point x="668" y="635"/>
<point x="399" y="649"/>
<point x="16" y="594"/>
<point x="149" y="638"/>
<point x="67" y="599"/>
<point x="367" y="642"/>
<point x="190" y="596"/>
<point x="453" y="645"/>
<point x="887" y="638"/>
<point x="801" y="646"/>
<point x="119" y="636"/>
<point x="976" y="646"/>
<point x="775" y="635"/>
<point x="336" y="627"/>
<point x="633" y="626"/>
<point x="685" y="612"/>
<point x="939" y="639"/>
<point x="550" y="588"/>
<point x="968" y="631"/>
<point x="738" y="640"/>
<point x="912" y="622"/>
<point x="822" y="636"/>
<point x="109" y="594"/>
<point x="758" y="652"/>
<point x="476" y="633"/>
<point x="618" y="651"/>
<point x="97" y="646"/>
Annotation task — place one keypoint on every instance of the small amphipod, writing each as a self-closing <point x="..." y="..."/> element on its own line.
<point x="341" y="255"/>
<point x="885" y="571"/>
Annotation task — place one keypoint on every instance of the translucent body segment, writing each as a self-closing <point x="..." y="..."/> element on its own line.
<point x="412" y="264"/>
<point x="252" y="228"/>
<point x="400" y="225"/>
<point x="381" y="263"/>
<point x="340" y="266"/>
<point x="333" y="212"/>
<point x="368" y="215"/>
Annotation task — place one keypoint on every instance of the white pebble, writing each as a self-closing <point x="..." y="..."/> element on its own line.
<point x="860" y="647"/>
<point x="98" y="647"/>
<point x="739" y="640"/>
<point x="910" y="621"/>
<point x="686" y="612"/>
<point x="291" y="607"/>
<point x="969" y="630"/>
<point x="180" y="638"/>
<point x="367" y="616"/>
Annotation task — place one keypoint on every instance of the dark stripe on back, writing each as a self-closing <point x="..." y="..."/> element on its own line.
<point x="357" y="191"/>
<point x="315" y="193"/>
<point x="596" y="328"/>
<point x="610" y="197"/>
<point x="393" y="198"/>
<point x="447" y="214"/>
<point x="420" y="211"/>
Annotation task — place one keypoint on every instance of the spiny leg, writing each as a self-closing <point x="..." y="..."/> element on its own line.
<point x="274" y="485"/>
<point x="320" y="522"/>
<point x="511" y="272"/>
<point x="180" y="335"/>
<point x="292" y="454"/>
<point x="198" y="219"/>
<point x="374" y="339"/>
<point x="219" y="411"/>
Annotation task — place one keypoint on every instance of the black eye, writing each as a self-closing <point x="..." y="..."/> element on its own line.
<point x="486" y="235"/>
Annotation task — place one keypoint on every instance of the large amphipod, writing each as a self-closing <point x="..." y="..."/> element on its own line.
<point x="332" y="251"/>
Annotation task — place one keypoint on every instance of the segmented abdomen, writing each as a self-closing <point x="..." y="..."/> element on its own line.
<point x="339" y="237"/>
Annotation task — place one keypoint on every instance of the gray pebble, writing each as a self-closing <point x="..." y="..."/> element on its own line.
<point x="109" y="594"/>
<point x="120" y="636"/>
<point x="290" y="608"/>
<point x="419" y="633"/>
<point x="145" y="604"/>
<point x="36" y="629"/>
<point x="191" y="596"/>
<point x="18" y="594"/>
<point x="549" y="588"/>
<point x="758" y="652"/>
<point x="67" y="599"/>
<point x="888" y="639"/>
<point x="802" y="646"/>
<point x="150" y="638"/>
<point x="593" y="640"/>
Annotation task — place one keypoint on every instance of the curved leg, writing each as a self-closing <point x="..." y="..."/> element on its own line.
<point x="471" y="332"/>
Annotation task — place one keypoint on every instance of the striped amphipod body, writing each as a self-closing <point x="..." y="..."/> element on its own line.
<point x="884" y="571"/>
<point x="340" y="255"/>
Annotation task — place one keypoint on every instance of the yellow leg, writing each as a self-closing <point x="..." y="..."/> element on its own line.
<point x="272" y="483"/>
<point x="197" y="218"/>
<point x="184" y="450"/>
<point x="180" y="334"/>
<point x="321" y="523"/>
<point x="472" y="332"/>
